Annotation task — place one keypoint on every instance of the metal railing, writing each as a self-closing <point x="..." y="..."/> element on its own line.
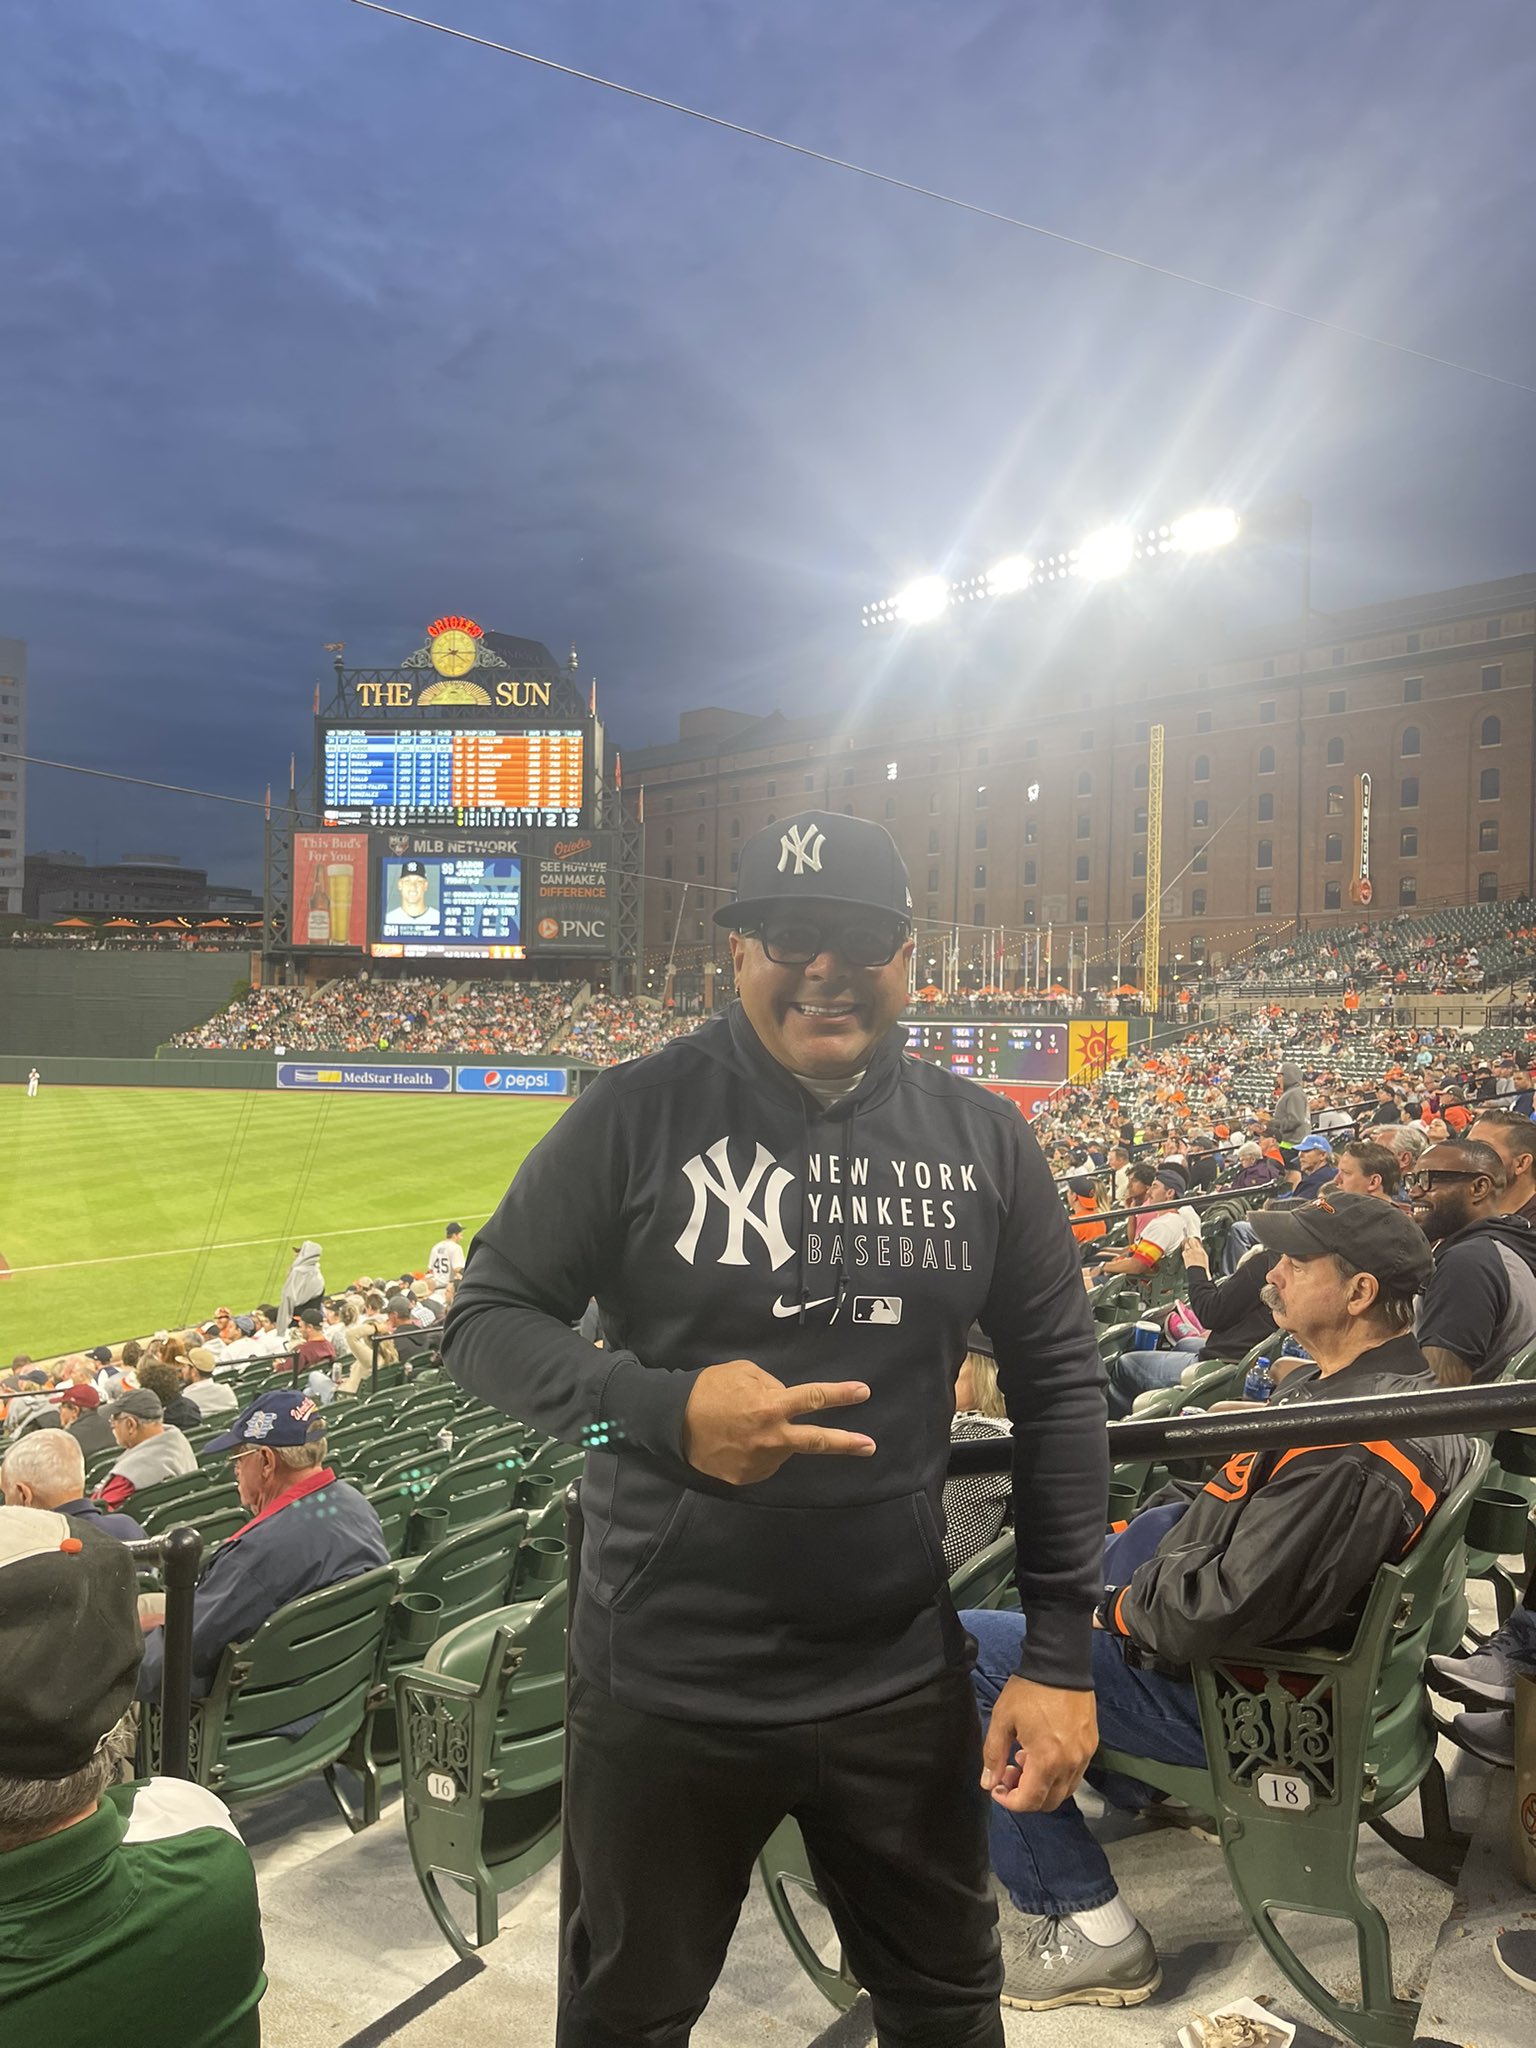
<point x="177" y="1556"/>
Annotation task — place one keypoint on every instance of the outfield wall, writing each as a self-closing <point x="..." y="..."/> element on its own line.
<point x="347" y="1073"/>
<point x="107" y="1005"/>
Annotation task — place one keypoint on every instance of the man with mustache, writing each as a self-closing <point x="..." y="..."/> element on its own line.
<point x="1280" y="1546"/>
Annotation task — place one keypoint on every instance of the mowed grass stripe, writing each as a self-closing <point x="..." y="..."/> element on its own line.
<point x="92" y="1174"/>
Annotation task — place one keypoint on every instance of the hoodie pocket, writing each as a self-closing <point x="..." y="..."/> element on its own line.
<point x="834" y="1575"/>
<point x="653" y="1558"/>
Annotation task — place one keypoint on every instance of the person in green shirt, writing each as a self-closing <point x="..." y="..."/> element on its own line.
<point x="127" y="1912"/>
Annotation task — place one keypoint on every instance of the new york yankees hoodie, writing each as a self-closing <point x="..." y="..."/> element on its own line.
<point x="716" y="1211"/>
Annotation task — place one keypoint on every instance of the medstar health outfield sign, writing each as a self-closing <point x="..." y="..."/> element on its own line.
<point x="396" y="1079"/>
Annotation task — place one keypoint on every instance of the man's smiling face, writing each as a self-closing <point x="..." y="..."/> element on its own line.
<point x="823" y="1018"/>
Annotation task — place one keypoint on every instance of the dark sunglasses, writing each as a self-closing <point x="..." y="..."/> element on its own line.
<point x="796" y="941"/>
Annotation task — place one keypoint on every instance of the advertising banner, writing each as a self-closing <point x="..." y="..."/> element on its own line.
<point x="571" y="910"/>
<point x="330" y="889"/>
<point x="357" y="1074"/>
<point x="512" y="1080"/>
<point x="1097" y="1044"/>
<point x="1360" y="890"/>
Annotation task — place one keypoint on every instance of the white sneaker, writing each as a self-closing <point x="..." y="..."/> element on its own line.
<point x="1490" y="1736"/>
<point x="1486" y="1680"/>
<point x="1049" y="1962"/>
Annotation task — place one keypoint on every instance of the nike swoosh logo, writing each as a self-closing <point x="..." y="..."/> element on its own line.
<point x="780" y="1308"/>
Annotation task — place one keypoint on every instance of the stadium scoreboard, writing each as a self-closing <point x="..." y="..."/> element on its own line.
<point x="468" y="776"/>
<point x="992" y="1052"/>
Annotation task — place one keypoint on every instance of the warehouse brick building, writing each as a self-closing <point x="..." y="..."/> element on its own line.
<point x="1022" y="808"/>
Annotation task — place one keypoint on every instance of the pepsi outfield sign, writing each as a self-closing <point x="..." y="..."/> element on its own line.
<point x="513" y="1080"/>
<point x="396" y="1080"/>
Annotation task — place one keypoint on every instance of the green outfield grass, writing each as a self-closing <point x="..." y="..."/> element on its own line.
<point x="126" y="1210"/>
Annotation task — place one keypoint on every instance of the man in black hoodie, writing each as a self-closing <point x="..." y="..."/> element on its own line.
<point x="1479" y="1308"/>
<point x="782" y="1215"/>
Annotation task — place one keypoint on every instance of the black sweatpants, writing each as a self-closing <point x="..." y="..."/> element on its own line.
<point x="666" y="1818"/>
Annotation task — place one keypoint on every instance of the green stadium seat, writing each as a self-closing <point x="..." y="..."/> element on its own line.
<point x="482" y="1746"/>
<point x="186" y="1508"/>
<point x="146" y="1500"/>
<point x="468" y="1491"/>
<point x="320" y="1655"/>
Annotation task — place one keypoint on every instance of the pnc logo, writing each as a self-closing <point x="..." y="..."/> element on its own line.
<point x="549" y="927"/>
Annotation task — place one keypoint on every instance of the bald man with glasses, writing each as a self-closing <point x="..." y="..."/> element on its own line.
<point x="1479" y="1307"/>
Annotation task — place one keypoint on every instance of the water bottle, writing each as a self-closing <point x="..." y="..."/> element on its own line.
<point x="445" y="1438"/>
<point x="1260" y="1383"/>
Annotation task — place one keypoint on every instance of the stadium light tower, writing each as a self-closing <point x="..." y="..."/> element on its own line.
<point x="1099" y="557"/>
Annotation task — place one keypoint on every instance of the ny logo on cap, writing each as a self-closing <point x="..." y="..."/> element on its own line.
<point x="803" y="847"/>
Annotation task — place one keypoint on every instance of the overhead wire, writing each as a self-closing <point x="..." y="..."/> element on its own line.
<point x="919" y="191"/>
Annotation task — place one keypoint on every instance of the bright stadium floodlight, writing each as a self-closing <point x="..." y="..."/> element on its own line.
<point x="1009" y="576"/>
<point x="922" y="601"/>
<point x="1107" y="553"/>
<point x="1213" y="526"/>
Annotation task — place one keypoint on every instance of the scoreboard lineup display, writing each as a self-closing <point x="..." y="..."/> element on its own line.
<point x="992" y="1052"/>
<point x="452" y="775"/>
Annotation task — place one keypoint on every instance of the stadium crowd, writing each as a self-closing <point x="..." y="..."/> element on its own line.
<point x="425" y="1017"/>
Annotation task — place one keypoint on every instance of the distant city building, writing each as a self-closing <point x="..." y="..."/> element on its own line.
<point x="1023" y="804"/>
<point x="65" y="884"/>
<point x="13" y="774"/>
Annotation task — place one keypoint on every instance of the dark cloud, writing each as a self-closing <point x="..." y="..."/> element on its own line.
<point x="316" y="324"/>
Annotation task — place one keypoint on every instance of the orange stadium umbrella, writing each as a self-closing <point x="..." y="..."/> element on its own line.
<point x="1055" y="989"/>
<point x="121" y="924"/>
<point x="212" y="924"/>
<point x="1127" y="988"/>
<point x="166" y="924"/>
<point x="930" y="990"/>
<point x="82" y="924"/>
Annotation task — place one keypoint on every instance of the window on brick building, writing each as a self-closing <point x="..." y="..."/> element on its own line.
<point x="1407" y="890"/>
<point x="1139" y="818"/>
<point x="1139" y="779"/>
<point x="979" y="880"/>
<point x="1202" y="813"/>
<point x="1488" y="785"/>
<point x="1139" y="861"/>
<point x="1082" y="870"/>
<point x="1493" y="676"/>
<point x="1408" y="793"/>
<point x="1264" y="854"/>
<point x="1488" y="836"/>
<point x="1201" y="862"/>
<point x="1085" y="784"/>
<point x="1084" y="826"/>
<point x="1333" y="847"/>
<point x="1335" y="803"/>
<point x="1337" y="699"/>
<point x="1202" y="767"/>
<point x="1332" y="895"/>
<point x="1409" y="743"/>
<point x="1266" y="806"/>
<point x="1202" y="721"/>
<point x="1408" y="842"/>
<point x="1197" y="903"/>
<point x="1266" y="760"/>
<point x="981" y="835"/>
<point x="1495" y="630"/>
<point x="1335" y="753"/>
<point x="1029" y="874"/>
<point x="1413" y="689"/>
<point x="933" y="878"/>
<point x="1264" y="899"/>
<point x="1488" y="886"/>
<point x="1413" y="643"/>
<point x="1081" y="912"/>
<point x="1489" y="733"/>
<point x="1138" y="905"/>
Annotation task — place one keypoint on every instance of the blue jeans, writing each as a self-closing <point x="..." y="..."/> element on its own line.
<point x="1134" y="1372"/>
<point x="1049" y="1862"/>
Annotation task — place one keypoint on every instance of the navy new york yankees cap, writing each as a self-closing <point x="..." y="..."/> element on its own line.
<point x="818" y="857"/>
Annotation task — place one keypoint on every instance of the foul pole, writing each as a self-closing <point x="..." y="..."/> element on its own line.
<point x="1152" y="928"/>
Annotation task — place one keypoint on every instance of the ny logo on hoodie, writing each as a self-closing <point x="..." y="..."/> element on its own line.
<point x="716" y="1178"/>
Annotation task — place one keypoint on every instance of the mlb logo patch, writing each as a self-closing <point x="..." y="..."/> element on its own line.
<point x="877" y="1308"/>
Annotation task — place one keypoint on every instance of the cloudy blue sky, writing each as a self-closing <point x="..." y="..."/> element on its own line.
<point x="314" y="325"/>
